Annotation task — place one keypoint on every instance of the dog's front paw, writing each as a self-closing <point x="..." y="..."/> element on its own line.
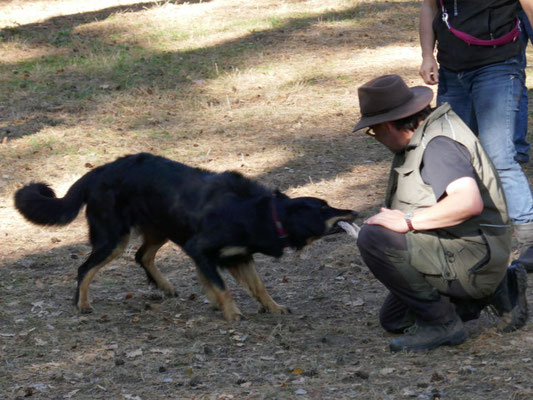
<point x="171" y="292"/>
<point x="277" y="310"/>
<point x="284" y="310"/>
<point x="233" y="314"/>
<point x="85" y="309"/>
<point x="234" y="317"/>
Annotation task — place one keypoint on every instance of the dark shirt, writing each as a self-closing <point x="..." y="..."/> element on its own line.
<point x="483" y="19"/>
<point x="444" y="161"/>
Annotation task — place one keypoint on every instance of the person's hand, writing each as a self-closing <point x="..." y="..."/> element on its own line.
<point x="390" y="219"/>
<point x="429" y="71"/>
<point x="351" y="229"/>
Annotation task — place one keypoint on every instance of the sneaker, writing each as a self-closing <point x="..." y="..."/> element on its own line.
<point x="427" y="337"/>
<point x="509" y="301"/>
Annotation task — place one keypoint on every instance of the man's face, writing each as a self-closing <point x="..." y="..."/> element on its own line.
<point x="394" y="139"/>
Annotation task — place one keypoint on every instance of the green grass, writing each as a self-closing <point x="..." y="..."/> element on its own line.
<point x="119" y="60"/>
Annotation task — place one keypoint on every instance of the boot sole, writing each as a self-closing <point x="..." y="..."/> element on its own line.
<point x="454" y="340"/>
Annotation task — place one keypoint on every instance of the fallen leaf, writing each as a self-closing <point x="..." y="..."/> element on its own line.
<point x="386" y="371"/>
<point x="356" y="303"/>
<point x="131" y="397"/>
<point x="160" y="351"/>
<point x="134" y="353"/>
<point x="71" y="394"/>
<point x="297" y="371"/>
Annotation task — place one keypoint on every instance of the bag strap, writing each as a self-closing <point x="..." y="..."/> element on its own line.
<point x="509" y="37"/>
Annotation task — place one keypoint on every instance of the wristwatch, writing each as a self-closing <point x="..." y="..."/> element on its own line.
<point x="408" y="218"/>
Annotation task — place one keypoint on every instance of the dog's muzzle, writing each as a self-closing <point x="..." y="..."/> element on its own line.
<point x="332" y="226"/>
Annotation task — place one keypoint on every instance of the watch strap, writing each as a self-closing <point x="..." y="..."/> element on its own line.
<point x="408" y="219"/>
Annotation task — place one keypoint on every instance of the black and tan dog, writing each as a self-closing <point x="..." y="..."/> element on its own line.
<point x="219" y="219"/>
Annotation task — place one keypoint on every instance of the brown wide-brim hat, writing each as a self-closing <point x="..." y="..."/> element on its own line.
<point x="387" y="98"/>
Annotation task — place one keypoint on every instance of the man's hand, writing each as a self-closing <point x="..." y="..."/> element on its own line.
<point x="429" y="71"/>
<point x="351" y="229"/>
<point x="390" y="219"/>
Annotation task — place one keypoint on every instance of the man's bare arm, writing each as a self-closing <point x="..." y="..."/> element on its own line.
<point x="463" y="201"/>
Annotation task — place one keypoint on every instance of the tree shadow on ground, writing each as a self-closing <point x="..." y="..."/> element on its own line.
<point x="28" y="127"/>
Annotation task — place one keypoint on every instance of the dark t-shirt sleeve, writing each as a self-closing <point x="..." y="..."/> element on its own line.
<point x="444" y="161"/>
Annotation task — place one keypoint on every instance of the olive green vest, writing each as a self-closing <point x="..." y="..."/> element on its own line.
<point x="476" y="251"/>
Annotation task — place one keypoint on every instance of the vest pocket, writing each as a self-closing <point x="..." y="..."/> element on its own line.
<point x="465" y="255"/>
<point x="447" y="255"/>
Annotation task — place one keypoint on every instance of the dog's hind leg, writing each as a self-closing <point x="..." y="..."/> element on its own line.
<point x="246" y="275"/>
<point x="145" y="257"/>
<point x="221" y="298"/>
<point x="99" y="257"/>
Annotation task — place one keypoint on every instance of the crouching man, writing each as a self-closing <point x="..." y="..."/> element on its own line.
<point x="442" y="244"/>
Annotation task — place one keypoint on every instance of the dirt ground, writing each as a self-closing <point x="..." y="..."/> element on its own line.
<point x="140" y="345"/>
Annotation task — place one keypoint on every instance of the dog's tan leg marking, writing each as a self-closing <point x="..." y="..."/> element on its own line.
<point x="209" y="292"/>
<point x="84" y="305"/>
<point x="148" y="263"/>
<point x="246" y="274"/>
<point x="221" y="299"/>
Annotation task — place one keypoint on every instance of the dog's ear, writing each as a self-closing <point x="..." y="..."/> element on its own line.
<point x="279" y="195"/>
<point x="262" y="203"/>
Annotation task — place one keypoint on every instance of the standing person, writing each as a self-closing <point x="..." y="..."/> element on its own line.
<point x="442" y="245"/>
<point x="520" y="135"/>
<point x="480" y="76"/>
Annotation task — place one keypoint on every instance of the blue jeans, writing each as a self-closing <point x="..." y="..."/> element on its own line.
<point x="520" y="141"/>
<point x="487" y="100"/>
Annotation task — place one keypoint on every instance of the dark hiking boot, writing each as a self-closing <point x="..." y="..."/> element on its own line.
<point x="524" y="237"/>
<point x="400" y="326"/>
<point x="426" y="337"/>
<point x="467" y="310"/>
<point x="509" y="300"/>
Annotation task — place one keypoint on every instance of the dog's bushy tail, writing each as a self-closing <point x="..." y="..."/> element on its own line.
<point x="38" y="203"/>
